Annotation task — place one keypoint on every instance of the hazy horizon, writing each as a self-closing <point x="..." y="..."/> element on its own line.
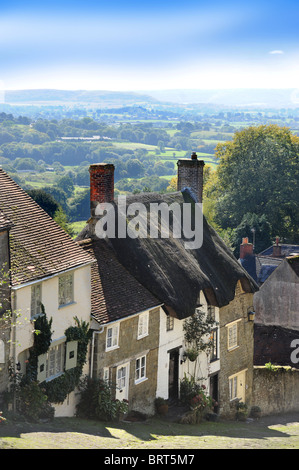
<point x="133" y="46"/>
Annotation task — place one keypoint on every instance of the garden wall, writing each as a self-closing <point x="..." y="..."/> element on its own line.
<point x="276" y="390"/>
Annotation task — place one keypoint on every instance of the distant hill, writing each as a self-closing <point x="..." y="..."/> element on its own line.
<point x="84" y="97"/>
<point x="249" y="98"/>
<point x="276" y="98"/>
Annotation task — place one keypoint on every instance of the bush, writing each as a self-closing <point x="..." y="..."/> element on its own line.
<point x="33" y="403"/>
<point x="97" y="400"/>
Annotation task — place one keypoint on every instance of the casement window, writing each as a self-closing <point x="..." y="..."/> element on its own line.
<point x="112" y="337"/>
<point x="61" y="356"/>
<point x="169" y="323"/>
<point x="140" y="369"/>
<point x="237" y="386"/>
<point x="36" y="299"/>
<point x="66" y="289"/>
<point x="106" y="374"/>
<point x="232" y="335"/>
<point x="142" y="325"/>
<point x="214" y="341"/>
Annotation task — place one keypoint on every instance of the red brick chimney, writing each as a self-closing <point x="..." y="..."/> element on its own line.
<point x="101" y="184"/>
<point x="245" y="248"/>
<point x="276" y="248"/>
<point x="190" y="174"/>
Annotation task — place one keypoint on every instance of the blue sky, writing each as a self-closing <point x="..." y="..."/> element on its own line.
<point x="148" y="45"/>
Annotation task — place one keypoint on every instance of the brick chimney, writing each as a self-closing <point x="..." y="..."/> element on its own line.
<point x="190" y="174"/>
<point x="276" y="253"/>
<point x="246" y="248"/>
<point x="101" y="184"/>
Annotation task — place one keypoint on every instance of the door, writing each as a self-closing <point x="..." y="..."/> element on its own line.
<point x="122" y="382"/>
<point x="214" y="391"/>
<point x="173" y="374"/>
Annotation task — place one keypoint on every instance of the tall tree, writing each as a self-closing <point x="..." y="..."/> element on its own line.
<point x="258" y="173"/>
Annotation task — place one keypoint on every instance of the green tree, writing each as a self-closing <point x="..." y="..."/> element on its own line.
<point x="44" y="200"/>
<point x="258" y="173"/>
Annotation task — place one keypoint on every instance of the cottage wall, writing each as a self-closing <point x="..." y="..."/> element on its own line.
<point x="140" y="395"/>
<point x="237" y="361"/>
<point x="63" y="317"/>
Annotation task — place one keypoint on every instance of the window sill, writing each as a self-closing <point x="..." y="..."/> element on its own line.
<point x="142" y="336"/>
<point x="54" y="376"/>
<point x="139" y="381"/>
<point x="233" y="348"/>
<point x="112" y="348"/>
<point x="66" y="305"/>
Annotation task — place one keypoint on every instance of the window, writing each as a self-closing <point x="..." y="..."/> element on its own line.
<point x="142" y="325"/>
<point x="36" y="299"/>
<point x="66" y="291"/>
<point x="214" y="349"/>
<point x="232" y="335"/>
<point x="106" y="375"/>
<point x="61" y="356"/>
<point x="140" y="369"/>
<point x="112" y="337"/>
<point x="237" y="386"/>
<point x="169" y="323"/>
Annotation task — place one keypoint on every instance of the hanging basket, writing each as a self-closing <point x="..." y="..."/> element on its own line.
<point x="192" y="354"/>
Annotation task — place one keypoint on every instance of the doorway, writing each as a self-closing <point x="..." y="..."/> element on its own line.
<point x="214" y="394"/>
<point x="122" y="382"/>
<point x="173" y="374"/>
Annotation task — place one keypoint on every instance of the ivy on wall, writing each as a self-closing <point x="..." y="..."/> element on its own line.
<point x="57" y="389"/>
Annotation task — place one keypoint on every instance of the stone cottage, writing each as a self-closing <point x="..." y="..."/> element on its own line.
<point x="180" y="279"/>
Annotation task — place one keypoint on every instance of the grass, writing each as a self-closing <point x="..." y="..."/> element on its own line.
<point x="73" y="433"/>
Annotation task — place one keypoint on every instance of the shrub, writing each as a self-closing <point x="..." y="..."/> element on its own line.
<point x="33" y="403"/>
<point x="97" y="400"/>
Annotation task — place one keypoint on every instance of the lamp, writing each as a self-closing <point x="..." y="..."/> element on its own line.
<point x="251" y="315"/>
<point x="184" y="358"/>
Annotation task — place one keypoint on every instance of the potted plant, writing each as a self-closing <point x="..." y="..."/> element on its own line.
<point x="192" y="354"/>
<point x="161" y="406"/>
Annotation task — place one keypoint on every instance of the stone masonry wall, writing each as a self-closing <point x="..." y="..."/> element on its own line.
<point x="240" y="358"/>
<point x="276" y="391"/>
<point x="141" y="395"/>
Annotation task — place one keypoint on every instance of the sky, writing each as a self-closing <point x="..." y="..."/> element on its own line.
<point x="149" y="45"/>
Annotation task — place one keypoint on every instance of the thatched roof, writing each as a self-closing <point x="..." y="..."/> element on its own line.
<point x="176" y="275"/>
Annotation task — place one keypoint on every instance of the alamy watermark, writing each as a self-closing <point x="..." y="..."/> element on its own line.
<point x="159" y="220"/>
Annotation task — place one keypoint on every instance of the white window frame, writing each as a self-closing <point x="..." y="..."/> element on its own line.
<point x="140" y="369"/>
<point x="143" y="321"/>
<point x="233" y="335"/>
<point x="52" y="363"/>
<point x="106" y="375"/>
<point x="36" y="300"/>
<point x="237" y="386"/>
<point x="66" y="289"/>
<point x="112" y="337"/>
<point x="169" y="323"/>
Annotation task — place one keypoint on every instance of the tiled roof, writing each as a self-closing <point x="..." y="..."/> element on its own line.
<point x="39" y="247"/>
<point x="115" y="293"/>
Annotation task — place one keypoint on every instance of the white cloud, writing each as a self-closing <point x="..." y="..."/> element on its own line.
<point x="276" y="52"/>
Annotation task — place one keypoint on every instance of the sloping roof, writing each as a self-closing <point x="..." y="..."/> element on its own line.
<point x="115" y="293"/>
<point x="39" y="246"/>
<point x="294" y="263"/>
<point x="176" y="275"/>
<point x="286" y="250"/>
